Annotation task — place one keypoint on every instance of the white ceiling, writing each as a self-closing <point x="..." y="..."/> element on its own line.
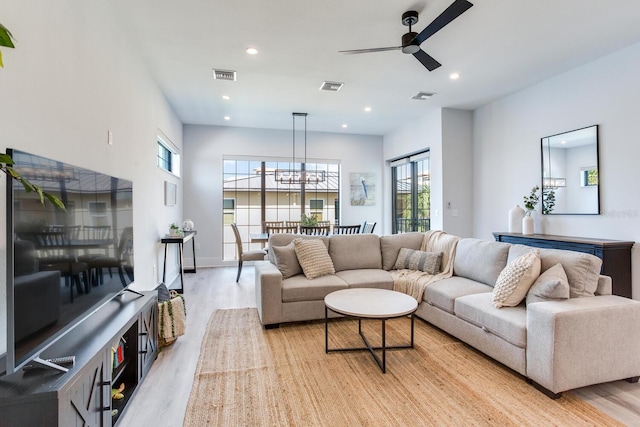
<point x="497" y="46"/>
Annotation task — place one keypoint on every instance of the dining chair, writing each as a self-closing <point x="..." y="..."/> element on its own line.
<point x="254" y="255"/>
<point x="295" y="224"/>
<point x="57" y="254"/>
<point x="282" y="229"/>
<point x="95" y="233"/>
<point x="315" y="230"/>
<point x="368" y="227"/>
<point x="122" y="260"/>
<point x="266" y="224"/>
<point x="346" y="229"/>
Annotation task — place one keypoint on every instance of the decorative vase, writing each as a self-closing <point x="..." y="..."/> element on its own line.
<point x="187" y="225"/>
<point x="527" y="224"/>
<point x="515" y="219"/>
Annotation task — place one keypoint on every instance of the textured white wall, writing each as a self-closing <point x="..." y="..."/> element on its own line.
<point x="506" y="161"/>
<point x="72" y="77"/>
<point x="206" y="146"/>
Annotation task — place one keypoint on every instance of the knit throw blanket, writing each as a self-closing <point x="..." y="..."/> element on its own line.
<point x="414" y="282"/>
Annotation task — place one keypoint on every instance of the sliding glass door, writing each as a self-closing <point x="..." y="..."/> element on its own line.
<point x="411" y="193"/>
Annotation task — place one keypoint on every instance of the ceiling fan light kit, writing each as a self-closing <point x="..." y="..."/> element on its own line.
<point x="411" y="41"/>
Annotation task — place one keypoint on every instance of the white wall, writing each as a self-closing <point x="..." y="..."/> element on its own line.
<point x="447" y="134"/>
<point x="72" y="77"/>
<point x="506" y="162"/>
<point x="206" y="146"/>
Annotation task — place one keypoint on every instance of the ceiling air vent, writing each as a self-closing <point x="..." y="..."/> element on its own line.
<point x="331" y="86"/>
<point x="422" y="95"/>
<point x="224" y="75"/>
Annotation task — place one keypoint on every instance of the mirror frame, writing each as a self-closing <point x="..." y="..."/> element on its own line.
<point x="542" y="187"/>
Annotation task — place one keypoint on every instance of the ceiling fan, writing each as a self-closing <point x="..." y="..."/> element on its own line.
<point x="411" y="41"/>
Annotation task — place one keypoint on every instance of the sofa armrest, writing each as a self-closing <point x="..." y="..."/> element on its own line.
<point x="604" y="285"/>
<point x="268" y="293"/>
<point x="582" y="341"/>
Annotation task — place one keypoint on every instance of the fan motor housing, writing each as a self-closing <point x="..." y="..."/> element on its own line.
<point x="408" y="43"/>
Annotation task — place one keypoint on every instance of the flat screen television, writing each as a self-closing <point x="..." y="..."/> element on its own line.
<point x="62" y="265"/>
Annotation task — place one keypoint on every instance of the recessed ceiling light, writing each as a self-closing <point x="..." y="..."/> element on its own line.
<point x="226" y="97"/>
<point x="454" y="76"/>
<point x="252" y="51"/>
<point x="563" y="142"/>
<point x="227" y="118"/>
<point x="344" y="125"/>
<point x="367" y="109"/>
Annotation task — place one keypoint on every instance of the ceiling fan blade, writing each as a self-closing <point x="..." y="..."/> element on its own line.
<point x="456" y="9"/>
<point x="375" y="49"/>
<point x="427" y="60"/>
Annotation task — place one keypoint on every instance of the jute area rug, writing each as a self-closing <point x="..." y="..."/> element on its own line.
<point x="248" y="376"/>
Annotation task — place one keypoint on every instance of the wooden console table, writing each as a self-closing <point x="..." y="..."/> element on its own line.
<point x="180" y="241"/>
<point x="615" y="254"/>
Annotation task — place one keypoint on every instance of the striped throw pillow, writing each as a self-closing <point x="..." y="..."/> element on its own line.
<point x="429" y="262"/>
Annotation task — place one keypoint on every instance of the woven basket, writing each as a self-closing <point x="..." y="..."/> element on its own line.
<point x="172" y="319"/>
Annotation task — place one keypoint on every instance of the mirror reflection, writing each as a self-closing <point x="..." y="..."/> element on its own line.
<point x="570" y="170"/>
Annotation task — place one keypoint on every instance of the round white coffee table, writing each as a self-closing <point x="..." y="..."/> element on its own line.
<point x="369" y="303"/>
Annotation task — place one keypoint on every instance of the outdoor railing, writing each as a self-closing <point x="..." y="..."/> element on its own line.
<point x="404" y="225"/>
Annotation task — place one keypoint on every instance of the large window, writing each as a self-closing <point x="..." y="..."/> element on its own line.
<point x="266" y="190"/>
<point x="411" y="193"/>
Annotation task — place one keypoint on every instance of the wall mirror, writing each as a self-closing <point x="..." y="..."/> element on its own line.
<point x="570" y="170"/>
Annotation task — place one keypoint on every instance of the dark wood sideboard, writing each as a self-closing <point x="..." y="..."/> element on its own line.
<point x="82" y="396"/>
<point x="615" y="254"/>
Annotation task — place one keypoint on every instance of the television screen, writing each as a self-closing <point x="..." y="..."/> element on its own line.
<point x="66" y="263"/>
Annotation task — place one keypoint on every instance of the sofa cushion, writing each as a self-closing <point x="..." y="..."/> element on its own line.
<point x="367" y="278"/>
<point x="443" y="293"/>
<point x="299" y="288"/>
<point x="355" y="251"/>
<point x="552" y="284"/>
<point x="509" y="323"/>
<point x="428" y="262"/>
<point x="582" y="269"/>
<point x="287" y="260"/>
<point x="283" y="239"/>
<point x="313" y="258"/>
<point x="390" y="246"/>
<point x="480" y="260"/>
<point x="516" y="279"/>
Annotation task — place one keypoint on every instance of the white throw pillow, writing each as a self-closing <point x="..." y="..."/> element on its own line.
<point x="552" y="284"/>
<point x="515" y="280"/>
<point x="314" y="258"/>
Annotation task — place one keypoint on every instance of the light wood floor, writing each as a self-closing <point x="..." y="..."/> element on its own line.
<point x="162" y="397"/>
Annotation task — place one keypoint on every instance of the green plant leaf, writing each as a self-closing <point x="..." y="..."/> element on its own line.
<point x="1" y="64"/>
<point x="6" y="159"/>
<point x="6" y="37"/>
<point x="56" y="202"/>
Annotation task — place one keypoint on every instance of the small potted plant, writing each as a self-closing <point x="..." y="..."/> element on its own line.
<point x="308" y="221"/>
<point x="174" y="230"/>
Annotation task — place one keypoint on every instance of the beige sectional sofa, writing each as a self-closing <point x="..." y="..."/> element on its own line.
<point x="557" y="344"/>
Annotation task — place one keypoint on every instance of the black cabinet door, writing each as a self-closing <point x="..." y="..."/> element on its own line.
<point x="87" y="400"/>
<point x="148" y="338"/>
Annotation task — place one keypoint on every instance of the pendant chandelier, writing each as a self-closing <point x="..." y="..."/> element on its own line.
<point x="294" y="175"/>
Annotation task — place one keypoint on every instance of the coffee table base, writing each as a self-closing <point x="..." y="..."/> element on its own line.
<point x="382" y="363"/>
